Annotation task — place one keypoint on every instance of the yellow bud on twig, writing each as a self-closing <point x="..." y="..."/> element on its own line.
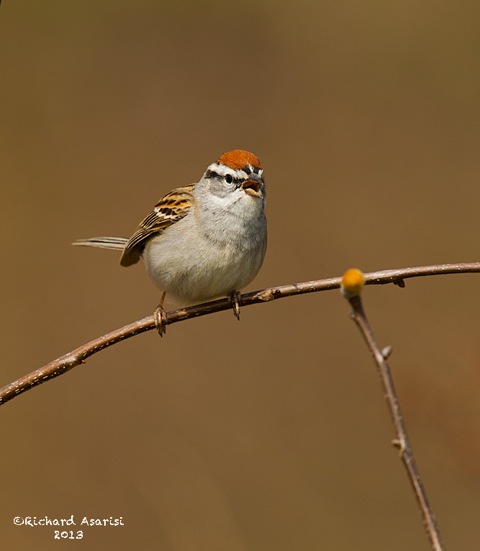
<point x="352" y="282"/>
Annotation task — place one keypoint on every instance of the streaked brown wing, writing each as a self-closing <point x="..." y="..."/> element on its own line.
<point x="166" y="212"/>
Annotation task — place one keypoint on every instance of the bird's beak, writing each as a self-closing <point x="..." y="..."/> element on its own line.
<point x="254" y="185"/>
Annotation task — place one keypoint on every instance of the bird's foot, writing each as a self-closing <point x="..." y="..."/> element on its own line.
<point x="235" y="303"/>
<point x="161" y="317"/>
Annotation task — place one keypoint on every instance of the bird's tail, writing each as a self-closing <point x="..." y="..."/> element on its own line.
<point x="117" y="243"/>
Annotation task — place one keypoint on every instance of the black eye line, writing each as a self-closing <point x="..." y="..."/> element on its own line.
<point x="213" y="174"/>
<point x="237" y="181"/>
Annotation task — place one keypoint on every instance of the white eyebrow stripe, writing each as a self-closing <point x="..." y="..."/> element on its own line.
<point x="223" y="170"/>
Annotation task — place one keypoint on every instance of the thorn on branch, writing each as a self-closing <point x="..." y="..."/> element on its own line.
<point x="400" y="444"/>
<point x="387" y="352"/>
<point x="397" y="443"/>
<point x="266" y="296"/>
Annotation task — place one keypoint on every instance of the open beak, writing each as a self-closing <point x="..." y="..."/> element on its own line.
<point x="254" y="186"/>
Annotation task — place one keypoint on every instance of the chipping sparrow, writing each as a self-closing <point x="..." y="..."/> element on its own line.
<point x="204" y="240"/>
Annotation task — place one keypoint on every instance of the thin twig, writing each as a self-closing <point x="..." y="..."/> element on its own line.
<point x="401" y="441"/>
<point x="78" y="356"/>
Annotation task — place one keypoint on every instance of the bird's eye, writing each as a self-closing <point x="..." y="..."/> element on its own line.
<point x="229" y="178"/>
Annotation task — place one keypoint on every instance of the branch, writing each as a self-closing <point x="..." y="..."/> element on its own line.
<point x="79" y="356"/>
<point x="351" y="287"/>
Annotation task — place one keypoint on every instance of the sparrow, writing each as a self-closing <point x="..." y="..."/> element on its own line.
<point x="202" y="241"/>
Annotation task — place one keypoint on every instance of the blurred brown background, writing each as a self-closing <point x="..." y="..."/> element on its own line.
<point x="271" y="433"/>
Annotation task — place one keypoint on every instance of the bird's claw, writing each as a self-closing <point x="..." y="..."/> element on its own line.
<point x="160" y="320"/>
<point x="235" y="303"/>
